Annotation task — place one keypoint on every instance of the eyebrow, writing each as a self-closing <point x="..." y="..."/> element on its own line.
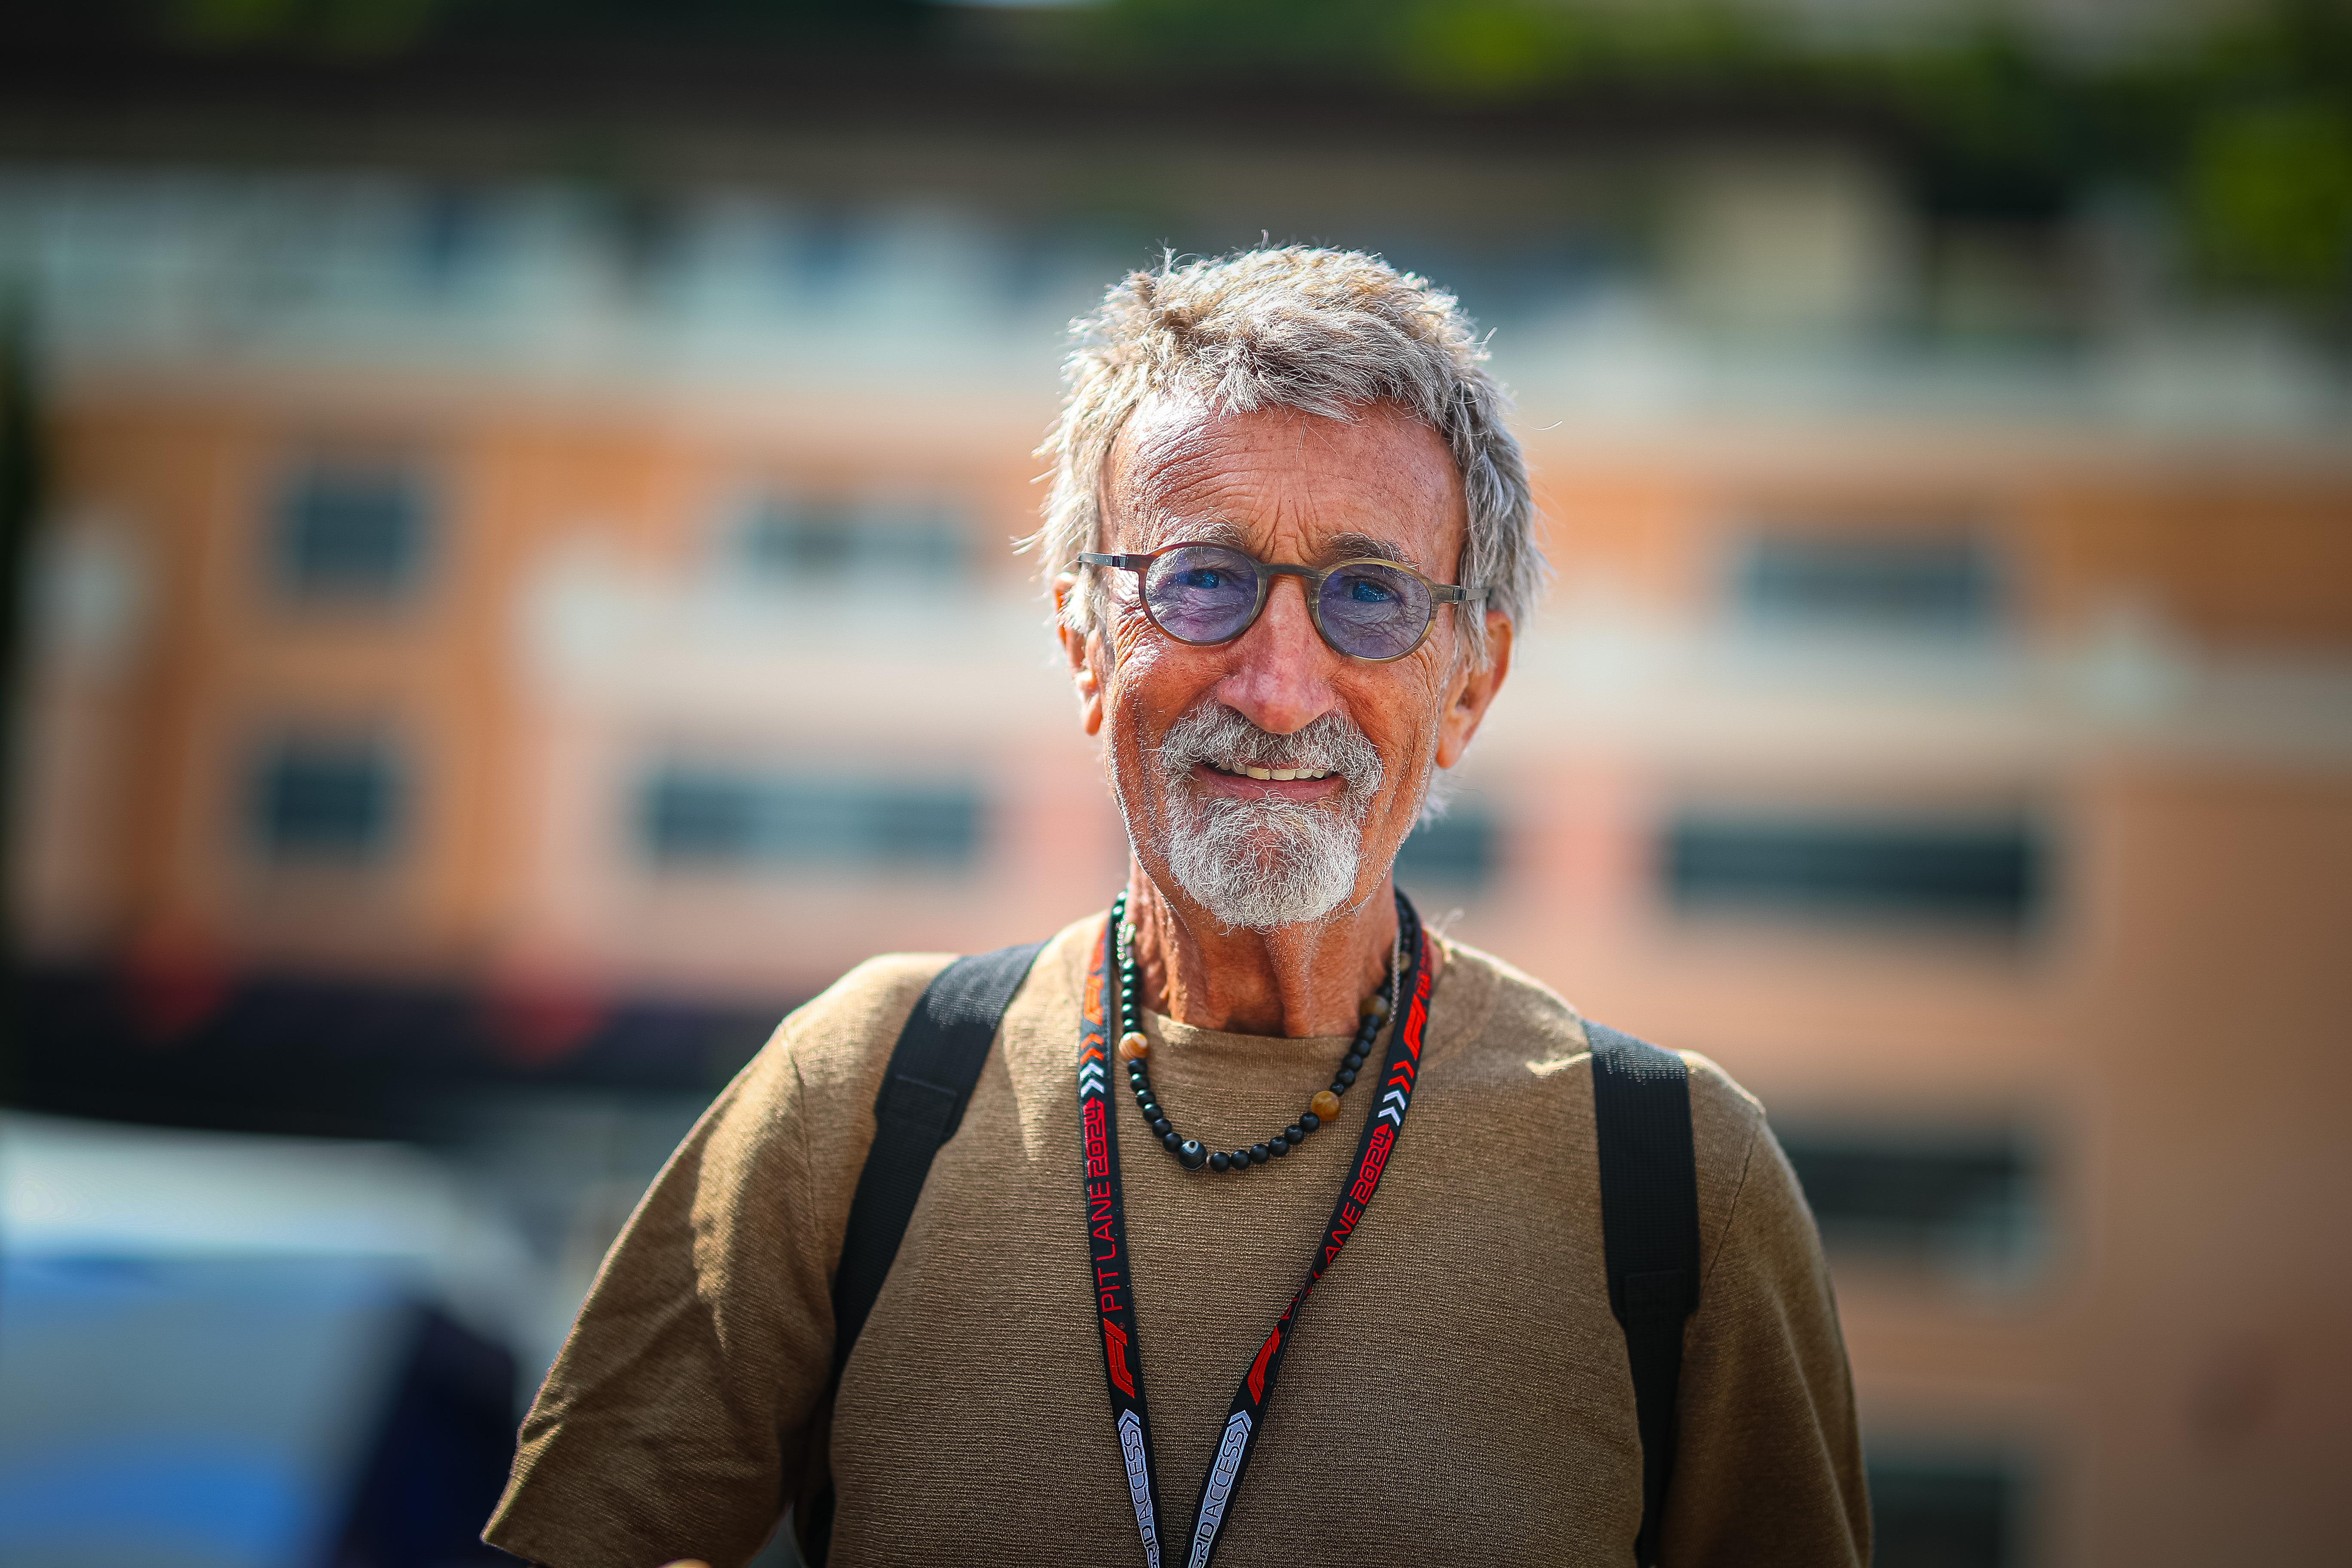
<point x="1345" y="546"/>
<point x="1355" y="546"/>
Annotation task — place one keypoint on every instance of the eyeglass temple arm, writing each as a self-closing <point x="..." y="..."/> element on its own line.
<point x="1124" y="562"/>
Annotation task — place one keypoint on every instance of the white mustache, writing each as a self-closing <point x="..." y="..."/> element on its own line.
<point x="1219" y="736"/>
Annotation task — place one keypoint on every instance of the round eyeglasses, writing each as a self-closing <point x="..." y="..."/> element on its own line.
<point x="1369" y="609"/>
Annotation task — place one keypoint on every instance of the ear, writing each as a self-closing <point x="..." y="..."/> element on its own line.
<point x="1084" y="674"/>
<point x="1474" y="690"/>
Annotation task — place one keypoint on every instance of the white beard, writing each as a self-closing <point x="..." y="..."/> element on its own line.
<point x="1267" y="862"/>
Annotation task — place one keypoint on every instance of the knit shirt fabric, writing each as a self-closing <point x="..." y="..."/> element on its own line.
<point x="1456" y="1390"/>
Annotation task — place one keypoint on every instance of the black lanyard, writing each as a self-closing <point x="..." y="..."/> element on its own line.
<point x="1113" y="1268"/>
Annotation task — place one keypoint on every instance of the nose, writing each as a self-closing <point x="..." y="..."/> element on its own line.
<point x="1281" y="676"/>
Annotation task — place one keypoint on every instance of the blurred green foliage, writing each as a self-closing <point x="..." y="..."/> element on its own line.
<point x="2269" y="196"/>
<point x="377" y="28"/>
<point x="2243" y="128"/>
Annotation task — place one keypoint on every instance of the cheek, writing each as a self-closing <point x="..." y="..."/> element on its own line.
<point x="1405" y="712"/>
<point x="1157" y="681"/>
<point x="1135" y="712"/>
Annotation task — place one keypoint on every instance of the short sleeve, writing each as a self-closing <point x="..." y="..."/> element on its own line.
<point x="1767" y="1466"/>
<point x="686" y="1408"/>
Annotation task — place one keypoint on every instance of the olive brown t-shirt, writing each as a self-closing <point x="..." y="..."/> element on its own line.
<point x="1456" y="1389"/>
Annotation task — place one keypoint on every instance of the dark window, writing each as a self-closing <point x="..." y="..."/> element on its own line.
<point x="719" y="817"/>
<point x="1455" y="852"/>
<point x="451" y="238"/>
<point x="1868" y="582"/>
<point x="1943" y="1514"/>
<point x="790" y="543"/>
<point x="1969" y="1200"/>
<point x="351" y="532"/>
<point x="1979" y="871"/>
<point x="325" y="801"/>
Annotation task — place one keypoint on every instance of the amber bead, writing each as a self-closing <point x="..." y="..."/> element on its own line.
<point x="1133" y="1048"/>
<point x="1324" y="1104"/>
<point x="1374" y="1007"/>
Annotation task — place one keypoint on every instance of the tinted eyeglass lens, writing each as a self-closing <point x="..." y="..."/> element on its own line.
<point x="1201" y="592"/>
<point x="1373" y="611"/>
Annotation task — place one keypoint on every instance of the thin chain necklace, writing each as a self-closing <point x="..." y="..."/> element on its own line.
<point x="1135" y="1050"/>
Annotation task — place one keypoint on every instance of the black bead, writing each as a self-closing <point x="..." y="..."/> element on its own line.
<point x="1279" y="1145"/>
<point x="1296" y="1133"/>
<point x="1220" y="1161"/>
<point x="1347" y="1077"/>
<point x="1190" y="1153"/>
<point x="1150" y="1110"/>
<point x="1241" y="1159"/>
<point x="1310" y="1121"/>
<point x="1352" y="1060"/>
<point x="1160" y="1126"/>
<point x="1168" y="1139"/>
<point x="1260" y="1153"/>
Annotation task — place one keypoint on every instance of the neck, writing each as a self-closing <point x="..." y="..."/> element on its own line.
<point x="1295" y="981"/>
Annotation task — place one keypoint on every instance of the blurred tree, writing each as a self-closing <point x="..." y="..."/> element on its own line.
<point x="2264" y="158"/>
<point x="2247" y="123"/>
<point x="22" y="475"/>
<point x="2269" y="198"/>
<point x="2244" y="124"/>
<point x="381" y="29"/>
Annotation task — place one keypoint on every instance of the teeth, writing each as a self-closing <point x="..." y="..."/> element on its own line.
<point x="1275" y="776"/>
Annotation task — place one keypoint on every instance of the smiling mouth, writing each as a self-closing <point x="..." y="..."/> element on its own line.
<point x="1244" y="771"/>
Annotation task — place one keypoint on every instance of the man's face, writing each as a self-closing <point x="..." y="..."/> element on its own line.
<point x="1190" y="728"/>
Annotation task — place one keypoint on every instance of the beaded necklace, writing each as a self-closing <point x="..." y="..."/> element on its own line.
<point x="1135" y="1050"/>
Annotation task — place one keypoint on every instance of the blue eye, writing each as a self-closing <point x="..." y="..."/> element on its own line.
<point x="1364" y="591"/>
<point x="1204" y="577"/>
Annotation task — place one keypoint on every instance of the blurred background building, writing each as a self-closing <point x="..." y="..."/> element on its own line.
<point x="514" y="508"/>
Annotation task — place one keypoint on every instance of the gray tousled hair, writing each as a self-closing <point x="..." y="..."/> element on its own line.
<point x="1322" y="331"/>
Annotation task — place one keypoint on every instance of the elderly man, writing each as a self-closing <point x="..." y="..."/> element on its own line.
<point x="1288" y="541"/>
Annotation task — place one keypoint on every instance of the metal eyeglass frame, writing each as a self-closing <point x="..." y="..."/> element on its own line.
<point x="1311" y="581"/>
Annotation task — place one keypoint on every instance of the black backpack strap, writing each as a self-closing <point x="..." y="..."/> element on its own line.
<point x="932" y="1071"/>
<point x="1649" y="1231"/>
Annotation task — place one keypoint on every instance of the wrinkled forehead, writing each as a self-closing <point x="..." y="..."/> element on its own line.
<point x="1286" y="485"/>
